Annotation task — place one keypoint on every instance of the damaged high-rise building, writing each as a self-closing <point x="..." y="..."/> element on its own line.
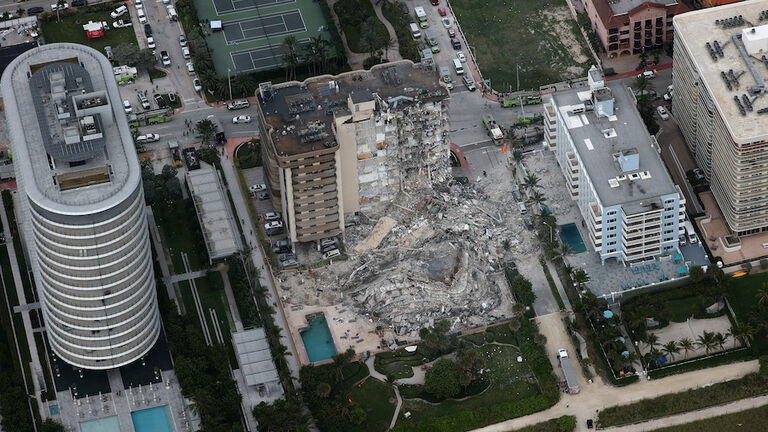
<point x="335" y="146"/>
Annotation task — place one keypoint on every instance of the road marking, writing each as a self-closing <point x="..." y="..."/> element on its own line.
<point x="159" y="11"/>
<point x="198" y="109"/>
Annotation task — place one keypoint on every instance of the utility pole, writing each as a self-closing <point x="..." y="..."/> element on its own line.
<point x="229" y="83"/>
<point x="517" y="65"/>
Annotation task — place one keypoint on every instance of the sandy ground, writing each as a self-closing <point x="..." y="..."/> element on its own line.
<point x="560" y="17"/>
<point x="692" y="329"/>
<point x="348" y="329"/>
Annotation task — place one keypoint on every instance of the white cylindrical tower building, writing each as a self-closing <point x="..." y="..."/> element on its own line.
<point x="81" y="204"/>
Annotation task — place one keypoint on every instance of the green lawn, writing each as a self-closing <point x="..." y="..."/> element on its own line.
<point x="398" y="364"/>
<point x="211" y="291"/>
<point x="378" y="400"/>
<point x="70" y="29"/>
<point x="510" y="382"/>
<point x="560" y="424"/>
<point x="742" y="297"/>
<point x="539" y="36"/>
<point x="751" y="420"/>
<point x="351" y="15"/>
<point x="181" y="232"/>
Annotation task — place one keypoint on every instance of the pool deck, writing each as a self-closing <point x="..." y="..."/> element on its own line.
<point x="348" y="330"/>
<point x="122" y="402"/>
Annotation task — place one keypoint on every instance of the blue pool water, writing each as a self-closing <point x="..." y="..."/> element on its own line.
<point x="569" y="235"/>
<point x="156" y="419"/>
<point x="109" y="424"/>
<point x="318" y="341"/>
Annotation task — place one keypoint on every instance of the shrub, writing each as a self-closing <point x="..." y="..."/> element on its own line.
<point x="440" y="380"/>
<point x="764" y="365"/>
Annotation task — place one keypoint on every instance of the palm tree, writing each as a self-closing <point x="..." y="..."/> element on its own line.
<point x="531" y="181"/>
<point x="707" y="340"/>
<point x="241" y="83"/>
<point x="762" y="296"/>
<point x="687" y="345"/>
<point x="290" y="49"/>
<point x="720" y="339"/>
<point x="561" y="251"/>
<point x="385" y="44"/>
<point x="670" y="348"/>
<point x="205" y="129"/>
<point x="536" y="197"/>
<point x="59" y="5"/>
<point x="208" y="78"/>
<point x="517" y="156"/>
<point x="651" y="340"/>
<point x="580" y="277"/>
<point x="742" y="331"/>
<point x="323" y="390"/>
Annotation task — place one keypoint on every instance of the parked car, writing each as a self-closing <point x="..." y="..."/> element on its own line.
<point x="143" y="100"/>
<point x="441" y="11"/>
<point x="460" y="55"/>
<point x="172" y="98"/>
<point x="455" y="43"/>
<point x="241" y="119"/>
<point x="282" y="246"/>
<point x="196" y="84"/>
<point x="55" y="6"/>
<point x="185" y="53"/>
<point x="447" y="23"/>
<point x="331" y="253"/>
<point x="324" y="249"/>
<point x="257" y="188"/>
<point x="263" y="196"/>
<point x="122" y="10"/>
<point x="275" y="231"/>
<point x="141" y="15"/>
<point x="182" y="40"/>
<point x="104" y="25"/>
<point x="662" y="112"/>
<point x="330" y="241"/>
<point x="121" y="24"/>
<point x="166" y="58"/>
<point x="108" y="52"/>
<point x="287" y="257"/>
<point x="161" y="103"/>
<point x="35" y="10"/>
<point x="190" y="68"/>
<point x="127" y="107"/>
<point x="272" y="216"/>
<point x="650" y="74"/>
<point x="435" y="49"/>
<point x="451" y="33"/>
<point x="151" y="42"/>
<point x="273" y="224"/>
<point x="590" y="424"/>
<point x="404" y="7"/>
<point x="289" y="263"/>
<point x="138" y="3"/>
<point x="468" y="82"/>
<point x="79" y="3"/>
<point x="148" y="138"/>
<point x="147" y="30"/>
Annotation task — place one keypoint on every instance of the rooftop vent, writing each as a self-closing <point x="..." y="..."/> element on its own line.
<point x="613" y="182"/>
<point x="645" y="175"/>
<point x="634" y="176"/>
<point x="609" y="133"/>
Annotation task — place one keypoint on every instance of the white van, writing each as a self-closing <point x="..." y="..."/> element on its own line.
<point x="119" y="11"/>
<point x="522" y="208"/>
<point x="458" y="67"/>
<point x="142" y="17"/>
<point x="172" y="15"/>
<point x="415" y="31"/>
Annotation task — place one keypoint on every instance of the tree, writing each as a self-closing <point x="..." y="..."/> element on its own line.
<point x="696" y="273"/>
<point x="687" y="345"/>
<point x="51" y="425"/>
<point x="340" y="361"/>
<point x="762" y="296"/>
<point x="206" y="129"/>
<point x="514" y="325"/>
<point x="531" y="181"/>
<point x="241" y="84"/>
<point x="536" y="197"/>
<point x="20" y="12"/>
<point x="358" y="416"/>
<point x="470" y="361"/>
<point x="580" y="277"/>
<point x="742" y="331"/>
<point x="707" y="340"/>
<point x="670" y="348"/>
<point x="59" y="5"/>
<point x="436" y="337"/>
<point x="441" y="380"/>
<point x="720" y="339"/>
<point x="284" y="415"/>
<point x="643" y="60"/>
<point x="290" y="50"/>
<point x="323" y="390"/>
<point x="651" y="340"/>
<point x="131" y="55"/>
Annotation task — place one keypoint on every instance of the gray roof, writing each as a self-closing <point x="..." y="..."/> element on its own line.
<point x="213" y="211"/>
<point x="254" y="358"/>
<point x="623" y="6"/>
<point x="34" y="130"/>
<point x="598" y="140"/>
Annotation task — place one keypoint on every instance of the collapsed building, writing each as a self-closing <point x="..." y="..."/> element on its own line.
<point x="335" y="146"/>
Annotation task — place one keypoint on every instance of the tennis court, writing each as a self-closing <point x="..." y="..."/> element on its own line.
<point x="268" y="57"/>
<point x="227" y="6"/>
<point x="256" y="28"/>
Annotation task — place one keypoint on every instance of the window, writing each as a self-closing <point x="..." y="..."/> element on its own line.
<point x="612" y="220"/>
<point x="611" y="236"/>
<point x="611" y="243"/>
<point x="611" y="228"/>
<point x="611" y="250"/>
<point x="611" y="212"/>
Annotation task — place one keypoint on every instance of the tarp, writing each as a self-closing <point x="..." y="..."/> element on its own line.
<point x="216" y="25"/>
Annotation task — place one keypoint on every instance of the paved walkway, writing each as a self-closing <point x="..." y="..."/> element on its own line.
<point x="393" y="53"/>
<point x="597" y="396"/>
<point x="736" y="406"/>
<point x="155" y="234"/>
<point x="231" y="299"/>
<point x="355" y="60"/>
<point x="381" y="377"/>
<point x="187" y="276"/>
<point x="558" y="284"/>
<point x="35" y="366"/>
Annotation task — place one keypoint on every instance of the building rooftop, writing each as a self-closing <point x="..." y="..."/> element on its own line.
<point x="619" y="7"/>
<point x="68" y="131"/>
<point x="615" y="150"/>
<point x="725" y="48"/>
<point x="254" y="357"/>
<point x="301" y="115"/>
<point x="213" y="211"/>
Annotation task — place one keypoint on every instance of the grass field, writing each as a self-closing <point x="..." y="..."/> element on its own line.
<point x="752" y="420"/>
<point x="538" y="36"/>
<point x="741" y="296"/>
<point x="378" y="401"/>
<point x="70" y="29"/>
<point x="181" y="237"/>
<point x="397" y="364"/>
<point x="510" y="381"/>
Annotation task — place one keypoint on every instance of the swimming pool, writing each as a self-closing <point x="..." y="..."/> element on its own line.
<point x="569" y="234"/>
<point x="156" y="419"/>
<point x="109" y="424"/>
<point x="317" y="340"/>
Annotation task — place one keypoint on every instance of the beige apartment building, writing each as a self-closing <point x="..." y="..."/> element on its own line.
<point x="336" y="146"/>
<point x="721" y="106"/>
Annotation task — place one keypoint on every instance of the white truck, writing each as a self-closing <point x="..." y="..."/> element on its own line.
<point x="690" y="232"/>
<point x="568" y="371"/>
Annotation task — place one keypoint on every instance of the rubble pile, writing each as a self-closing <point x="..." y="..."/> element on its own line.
<point x="435" y="255"/>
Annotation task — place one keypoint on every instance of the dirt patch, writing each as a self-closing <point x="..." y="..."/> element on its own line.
<point x="561" y="22"/>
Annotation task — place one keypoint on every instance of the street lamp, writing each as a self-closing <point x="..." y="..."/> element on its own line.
<point x="550" y="231"/>
<point x="229" y="83"/>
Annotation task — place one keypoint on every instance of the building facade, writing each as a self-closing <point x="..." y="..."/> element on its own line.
<point x="336" y="146"/>
<point x="632" y="26"/>
<point x="630" y="206"/>
<point x="81" y="204"/>
<point x="720" y="105"/>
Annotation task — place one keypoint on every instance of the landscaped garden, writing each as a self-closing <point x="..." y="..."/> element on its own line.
<point x="69" y="28"/>
<point x="409" y="47"/>
<point x="361" y="28"/>
<point x="560" y="424"/>
<point x="538" y="36"/>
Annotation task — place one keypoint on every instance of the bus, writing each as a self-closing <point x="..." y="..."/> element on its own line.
<point x="219" y="137"/>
